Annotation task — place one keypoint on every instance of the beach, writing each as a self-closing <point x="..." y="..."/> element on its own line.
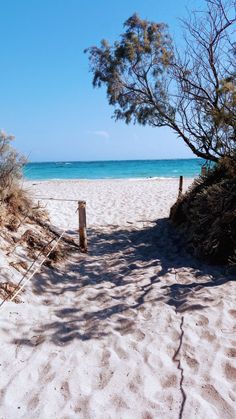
<point x="135" y="329"/>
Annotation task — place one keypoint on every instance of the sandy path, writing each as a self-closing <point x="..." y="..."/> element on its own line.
<point x="135" y="329"/>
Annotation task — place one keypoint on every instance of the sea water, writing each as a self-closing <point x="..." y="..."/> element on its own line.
<point x="113" y="169"/>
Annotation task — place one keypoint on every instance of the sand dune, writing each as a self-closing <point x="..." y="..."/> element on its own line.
<point x="135" y="329"/>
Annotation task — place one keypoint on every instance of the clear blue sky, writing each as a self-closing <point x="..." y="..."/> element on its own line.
<point x="47" y="100"/>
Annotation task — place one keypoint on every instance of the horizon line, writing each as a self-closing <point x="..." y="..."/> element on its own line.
<point x="112" y="160"/>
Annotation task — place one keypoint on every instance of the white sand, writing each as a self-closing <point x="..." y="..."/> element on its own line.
<point x="135" y="329"/>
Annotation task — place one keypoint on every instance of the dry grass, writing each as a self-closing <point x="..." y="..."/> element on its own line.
<point x="17" y="207"/>
<point x="7" y="289"/>
<point x="41" y="242"/>
<point x="15" y="204"/>
<point x="23" y="225"/>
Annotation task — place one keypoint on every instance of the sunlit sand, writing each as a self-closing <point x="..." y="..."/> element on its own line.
<point x="136" y="328"/>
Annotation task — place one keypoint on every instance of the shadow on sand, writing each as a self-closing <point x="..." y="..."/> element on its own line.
<point x="127" y="270"/>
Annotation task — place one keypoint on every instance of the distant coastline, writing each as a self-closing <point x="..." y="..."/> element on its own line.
<point x="113" y="169"/>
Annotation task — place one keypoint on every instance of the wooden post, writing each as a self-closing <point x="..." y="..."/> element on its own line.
<point x="180" y="186"/>
<point x="82" y="226"/>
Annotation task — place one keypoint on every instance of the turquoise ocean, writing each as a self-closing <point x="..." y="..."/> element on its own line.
<point x="113" y="169"/>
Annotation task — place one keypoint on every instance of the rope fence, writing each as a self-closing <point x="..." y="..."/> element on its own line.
<point x="54" y="199"/>
<point x="81" y="209"/>
<point x="20" y="287"/>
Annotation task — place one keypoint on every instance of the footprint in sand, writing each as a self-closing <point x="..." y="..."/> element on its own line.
<point x="135" y="383"/>
<point x="147" y="315"/>
<point x="192" y="363"/>
<point x="139" y="335"/>
<point x="82" y="408"/>
<point x="33" y="402"/>
<point x="203" y="321"/>
<point x="132" y="386"/>
<point x="147" y="415"/>
<point x="118" y="402"/>
<point x="232" y="313"/>
<point x="122" y="354"/>
<point x="65" y="390"/>
<point x="230" y="352"/>
<point x="170" y="381"/>
<point x="103" y="379"/>
<point x="105" y="357"/>
<point x="125" y="326"/>
<point x="210" y="394"/>
<point x="230" y="372"/>
<point x="208" y="336"/>
<point x="44" y="376"/>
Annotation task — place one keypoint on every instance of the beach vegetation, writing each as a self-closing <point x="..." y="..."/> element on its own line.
<point x="23" y="223"/>
<point x="206" y="214"/>
<point x="15" y="202"/>
<point x="11" y="163"/>
<point x="191" y="89"/>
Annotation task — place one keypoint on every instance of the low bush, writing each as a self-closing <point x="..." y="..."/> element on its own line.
<point x="15" y="203"/>
<point x="206" y="214"/>
<point x="11" y="163"/>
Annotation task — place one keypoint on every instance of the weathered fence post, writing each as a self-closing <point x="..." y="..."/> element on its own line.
<point x="82" y="226"/>
<point x="180" y="186"/>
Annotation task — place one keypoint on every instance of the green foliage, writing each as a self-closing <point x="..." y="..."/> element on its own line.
<point x="141" y="58"/>
<point x="148" y="81"/>
<point x="224" y="115"/>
